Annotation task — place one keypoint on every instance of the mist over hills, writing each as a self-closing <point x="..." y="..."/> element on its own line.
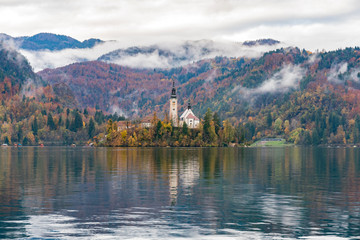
<point x="175" y="55"/>
<point x="306" y="91"/>
<point x="47" y="50"/>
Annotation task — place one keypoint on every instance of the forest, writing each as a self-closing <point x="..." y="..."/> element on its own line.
<point x="303" y="97"/>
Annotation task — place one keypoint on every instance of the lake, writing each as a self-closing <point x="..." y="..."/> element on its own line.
<point x="165" y="193"/>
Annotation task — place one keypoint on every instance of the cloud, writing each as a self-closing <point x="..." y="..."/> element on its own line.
<point x="167" y="55"/>
<point x="339" y="73"/>
<point x="32" y="88"/>
<point x="153" y="60"/>
<point x="288" y="78"/>
<point x="336" y="71"/>
<point x="188" y="51"/>
<point x="116" y="109"/>
<point x="305" y="23"/>
<point x="40" y="60"/>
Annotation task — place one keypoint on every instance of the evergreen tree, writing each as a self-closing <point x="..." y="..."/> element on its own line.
<point x="77" y="123"/>
<point x="34" y="127"/>
<point x="315" y="138"/>
<point x="99" y="117"/>
<point x="50" y="122"/>
<point x="67" y="123"/>
<point x="217" y="123"/>
<point x="60" y="122"/>
<point x="158" y="132"/>
<point x="25" y="141"/>
<point x="91" y="128"/>
<point x="269" y="119"/>
<point x="207" y="126"/>
<point x="19" y="133"/>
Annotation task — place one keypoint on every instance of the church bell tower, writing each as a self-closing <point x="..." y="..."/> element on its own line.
<point x="173" y="106"/>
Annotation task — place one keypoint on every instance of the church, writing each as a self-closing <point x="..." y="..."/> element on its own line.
<point x="187" y="117"/>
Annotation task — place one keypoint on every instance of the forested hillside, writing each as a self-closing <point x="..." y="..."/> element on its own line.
<point x="49" y="41"/>
<point x="302" y="96"/>
<point x="32" y="112"/>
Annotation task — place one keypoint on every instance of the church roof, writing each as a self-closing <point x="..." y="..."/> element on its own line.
<point x="188" y="114"/>
<point x="191" y="116"/>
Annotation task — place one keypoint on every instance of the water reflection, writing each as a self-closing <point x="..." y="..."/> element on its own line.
<point x="179" y="192"/>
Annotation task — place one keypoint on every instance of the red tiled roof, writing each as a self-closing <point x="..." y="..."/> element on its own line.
<point x="191" y="116"/>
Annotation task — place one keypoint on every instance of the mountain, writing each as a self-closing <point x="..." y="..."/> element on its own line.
<point x="108" y="87"/>
<point x="49" y="41"/>
<point x="207" y="82"/>
<point x="267" y="41"/>
<point x="32" y="112"/>
<point x="15" y="72"/>
<point x="302" y="91"/>
<point x="301" y="96"/>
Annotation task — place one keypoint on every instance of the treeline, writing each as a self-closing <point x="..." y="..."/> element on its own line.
<point x="211" y="132"/>
<point x="27" y="121"/>
<point x="308" y="127"/>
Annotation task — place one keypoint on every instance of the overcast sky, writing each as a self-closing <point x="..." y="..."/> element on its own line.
<point x="310" y="24"/>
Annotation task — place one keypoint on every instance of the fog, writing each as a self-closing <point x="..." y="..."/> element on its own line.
<point x="288" y="78"/>
<point x="178" y="54"/>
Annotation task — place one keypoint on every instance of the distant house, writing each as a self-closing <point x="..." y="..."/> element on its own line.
<point x="146" y="122"/>
<point x="123" y="125"/>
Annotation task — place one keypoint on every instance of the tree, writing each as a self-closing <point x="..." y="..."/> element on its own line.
<point x="34" y="127"/>
<point x="158" y="131"/>
<point x="207" y="126"/>
<point x="269" y="119"/>
<point x="229" y="132"/>
<point x="19" y="133"/>
<point x="67" y="123"/>
<point x="109" y="127"/>
<point x="6" y="140"/>
<point x="185" y="128"/>
<point x="91" y="128"/>
<point x="77" y="123"/>
<point x="60" y="122"/>
<point x="278" y="125"/>
<point x="217" y="123"/>
<point x="50" y="122"/>
<point x="315" y="138"/>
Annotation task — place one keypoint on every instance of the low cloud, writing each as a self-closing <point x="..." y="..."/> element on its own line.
<point x="153" y="60"/>
<point x="40" y="60"/>
<point x="31" y="88"/>
<point x="336" y="71"/>
<point x="339" y="73"/>
<point x="288" y="78"/>
<point x="116" y="109"/>
<point x="168" y="55"/>
<point x="176" y="54"/>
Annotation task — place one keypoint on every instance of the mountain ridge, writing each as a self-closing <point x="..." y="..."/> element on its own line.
<point x="50" y="41"/>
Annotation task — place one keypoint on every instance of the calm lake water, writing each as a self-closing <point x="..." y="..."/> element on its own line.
<point x="165" y="193"/>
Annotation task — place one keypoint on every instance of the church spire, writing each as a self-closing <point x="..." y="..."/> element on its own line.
<point x="173" y="91"/>
<point x="189" y="105"/>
